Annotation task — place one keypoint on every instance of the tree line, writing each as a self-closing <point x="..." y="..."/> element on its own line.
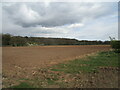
<point x="10" y="40"/>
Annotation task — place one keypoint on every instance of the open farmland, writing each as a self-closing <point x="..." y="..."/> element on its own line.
<point x="41" y="56"/>
<point x="23" y="62"/>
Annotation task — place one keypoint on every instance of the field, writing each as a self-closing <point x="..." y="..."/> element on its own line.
<point x="41" y="56"/>
<point x="37" y="64"/>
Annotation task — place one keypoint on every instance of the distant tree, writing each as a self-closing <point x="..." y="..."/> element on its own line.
<point x="0" y="39"/>
<point x="115" y="44"/>
<point x="26" y="36"/>
<point x="18" y="41"/>
<point x="6" y="39"/>
<point x="9" y="40"/>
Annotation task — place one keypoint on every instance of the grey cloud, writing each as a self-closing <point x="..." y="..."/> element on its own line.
<point x="55" y="14"/>
<point x="68" y="20"/>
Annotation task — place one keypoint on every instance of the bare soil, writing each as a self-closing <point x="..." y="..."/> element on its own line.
<point x="21" y="62"/>
<point x="41" y="56"/>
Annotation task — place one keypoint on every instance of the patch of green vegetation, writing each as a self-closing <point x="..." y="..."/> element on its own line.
<point x="91" y="64"/>
<point x="22" y="85"/>
<point x="50" y="81"/>
<point x="53" y="69"/>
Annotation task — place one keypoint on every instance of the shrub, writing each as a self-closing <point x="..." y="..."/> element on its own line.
<point x="115" y="44"/>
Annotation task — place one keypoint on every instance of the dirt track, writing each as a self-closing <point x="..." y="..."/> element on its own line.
<point x="41" y="56"/>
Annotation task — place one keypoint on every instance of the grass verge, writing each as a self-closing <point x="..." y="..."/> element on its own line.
<point x="89" y="64"/>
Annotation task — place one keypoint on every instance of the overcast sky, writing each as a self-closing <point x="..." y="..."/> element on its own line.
<point x="80" y="20"/>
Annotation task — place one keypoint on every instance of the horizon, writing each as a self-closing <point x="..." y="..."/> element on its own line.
<point x="57" y="38"/>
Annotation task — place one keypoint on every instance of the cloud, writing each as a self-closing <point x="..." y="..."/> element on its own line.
<point x="61" y="19"/>
<point x="100" y="29"/>
<point x="76" y="25"/>
<point x="55" y="14"/>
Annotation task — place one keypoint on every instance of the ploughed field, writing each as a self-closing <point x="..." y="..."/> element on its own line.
<point x="42" y="56"/>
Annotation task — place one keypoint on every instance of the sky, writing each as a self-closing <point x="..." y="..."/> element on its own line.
<point x="78" y="20"/>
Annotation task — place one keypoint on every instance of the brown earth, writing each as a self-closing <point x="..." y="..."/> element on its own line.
<point x="105" y="77"/>
<point x="41" y="56"/>
<point x="22" y="62"/>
